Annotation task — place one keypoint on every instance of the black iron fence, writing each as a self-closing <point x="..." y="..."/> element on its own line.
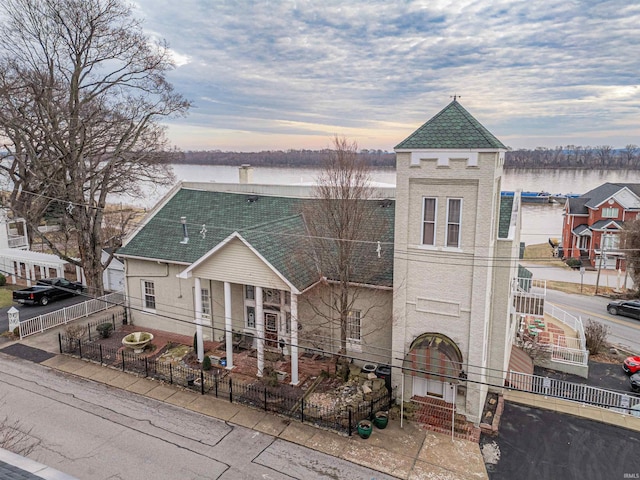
<point x="218" y="382"/>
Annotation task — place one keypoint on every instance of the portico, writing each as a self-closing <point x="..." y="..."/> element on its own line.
<point x="269" y="301"/>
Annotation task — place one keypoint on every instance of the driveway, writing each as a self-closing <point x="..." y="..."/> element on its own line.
<point x="536" y="444"/>
<point x="30" y="311"/>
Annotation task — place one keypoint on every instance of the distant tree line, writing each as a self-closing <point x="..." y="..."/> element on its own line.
<point x="279" y="158"/>
<point x="570" y="156"/>
<point x="575" y="156"/>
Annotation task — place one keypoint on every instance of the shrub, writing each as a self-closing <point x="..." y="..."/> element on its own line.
<point x="105" y="329"/>
<point x="595" y="334"/>
<point x="16" y="331"/>
<point x="206" y="362"/>
<point x="3" y="280"/>
<point x="573" y="262"/>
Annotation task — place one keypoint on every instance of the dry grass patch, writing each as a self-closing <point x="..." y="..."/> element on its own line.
<point x="542" y="254"/>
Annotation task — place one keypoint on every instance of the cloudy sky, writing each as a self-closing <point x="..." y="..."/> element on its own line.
<point x="283" y="74"/>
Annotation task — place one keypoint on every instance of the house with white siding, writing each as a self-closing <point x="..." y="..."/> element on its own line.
<point x="443" y="246"/>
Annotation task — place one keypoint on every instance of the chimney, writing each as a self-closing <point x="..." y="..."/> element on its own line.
<point x="246" y="173"/>
<point x="185" y="239"/>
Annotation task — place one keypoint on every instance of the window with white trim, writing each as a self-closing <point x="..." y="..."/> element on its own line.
<point x="148" y="296"/>
<point x="454" y="219"/>
<point x="429" y="221"/>
<point x="610" y="212"/>
<point x="206" y="303"/>
<point x="354" y="333"/>
<point x="249" y="292"/>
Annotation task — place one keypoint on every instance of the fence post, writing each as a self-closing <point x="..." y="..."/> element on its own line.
<point x="60" y="341"/>
<point x="86" y="309"/>
<point x="201" y="382"/>
<point x="80" y="347"/>
<point x="350" y="420"/>
<point x="100" y="345"/>
<point x="170" y="375"/>
<point x="146" y="367"/>
<point x="230" y="391"/>
<point x="64" y="314"/>
<point x="41" y="324"/>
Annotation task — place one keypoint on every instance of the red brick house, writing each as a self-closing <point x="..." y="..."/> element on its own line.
<point x="593" y="223"/>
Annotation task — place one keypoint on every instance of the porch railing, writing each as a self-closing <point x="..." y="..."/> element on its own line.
<point x="571" y="321"/>
<point x="65" y="315"/>
<point x="576" y="392"/>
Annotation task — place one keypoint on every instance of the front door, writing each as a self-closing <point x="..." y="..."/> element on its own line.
<point x="423" y="387"/>
<point x="271" y="329"/>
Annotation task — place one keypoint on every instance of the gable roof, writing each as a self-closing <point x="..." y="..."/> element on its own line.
<point x="452" y="128"/>
<point x="594" y="198"/>
<point x="274" y="226"/>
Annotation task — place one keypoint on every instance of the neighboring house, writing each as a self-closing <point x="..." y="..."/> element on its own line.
<point x="16" y="260"/>
<point x="593" y="223"/>
<point x="113" y="275"/>
<point x="444" y="246"/>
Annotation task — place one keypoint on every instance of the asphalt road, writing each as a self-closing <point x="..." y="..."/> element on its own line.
<point x="30" y="311"/>
<point x="623" y="331"/>
<point x="537" y="444"/>
<point x="93" y="431"/>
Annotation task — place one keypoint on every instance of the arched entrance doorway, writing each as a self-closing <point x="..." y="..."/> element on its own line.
<point x="434" y="362"/>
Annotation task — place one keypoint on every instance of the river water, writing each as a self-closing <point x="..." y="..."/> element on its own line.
<point x="539" y="221"/>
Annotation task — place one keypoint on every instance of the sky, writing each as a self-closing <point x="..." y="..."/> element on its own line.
<point x="291" y="74"/>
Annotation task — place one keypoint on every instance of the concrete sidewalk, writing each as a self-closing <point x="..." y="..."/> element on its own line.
<point x="407" y="453"/>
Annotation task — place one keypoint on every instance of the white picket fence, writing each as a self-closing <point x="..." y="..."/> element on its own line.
<point x="65" y="315"/>
<point x="576" y="392"/>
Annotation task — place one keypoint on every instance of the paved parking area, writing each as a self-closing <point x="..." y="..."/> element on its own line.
<point x="537" y="444"/>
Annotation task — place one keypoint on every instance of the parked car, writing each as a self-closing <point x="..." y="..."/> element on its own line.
<point x="634" y="380"/>
<point x="47" y="290"/>
<point x="631" y="365"/>
<point x="629" y="308"/>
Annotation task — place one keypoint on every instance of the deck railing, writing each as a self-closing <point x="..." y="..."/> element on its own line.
<point x="576" y="392"/>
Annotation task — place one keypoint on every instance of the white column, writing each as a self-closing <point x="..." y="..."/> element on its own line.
<point x="228" y="325"/>
<point x="42" y="275"/>
<point x="260" y="330"/>
<point x="13" y="271"/>
<point x="27" y="271"/>
<point x="32" y="268"/>
<point x="46" y="272"/>
<point x="59" y="272"/>
<point x="294" y="339"/>
<point x="78" y="274"/>
<point x="198" y="295"/>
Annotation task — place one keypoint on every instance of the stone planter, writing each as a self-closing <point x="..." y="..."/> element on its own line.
<point x="281" y="376"/>
<point x="137" y="341"/>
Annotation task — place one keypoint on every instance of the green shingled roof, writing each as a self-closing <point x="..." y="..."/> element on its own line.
<point x="452" y="128"/>
<point x="506" y="206"/>
<point x="274" y="226"/>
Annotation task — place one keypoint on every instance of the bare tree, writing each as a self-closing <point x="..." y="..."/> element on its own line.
<point x="343" y="227"/>
<point x="630" y="242"/>
<point x="81" y="92"/>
